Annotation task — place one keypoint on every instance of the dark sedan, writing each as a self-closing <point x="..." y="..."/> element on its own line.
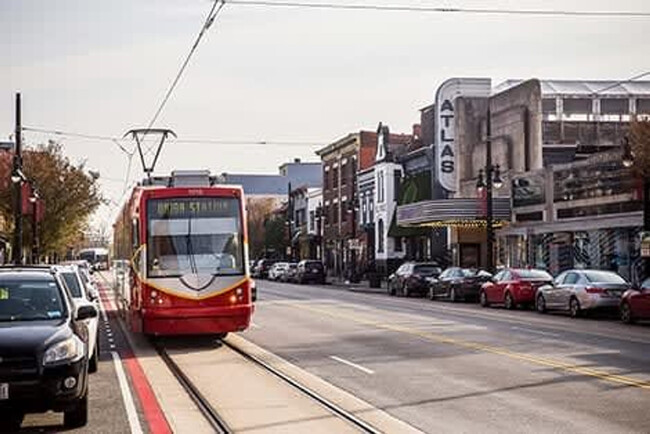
<point x="457" y="283"/>
<point x="412" y="278"/>
<point x="635" y="303"/>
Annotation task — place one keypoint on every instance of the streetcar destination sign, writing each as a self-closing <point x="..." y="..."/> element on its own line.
<point x="193" y="207"/>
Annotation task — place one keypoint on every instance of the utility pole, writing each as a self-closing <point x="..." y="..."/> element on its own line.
<point x="489" y="223"/>
<point x="17" y="174"/>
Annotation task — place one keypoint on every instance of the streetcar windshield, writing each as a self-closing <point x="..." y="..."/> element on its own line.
<point x="194" y="236"/>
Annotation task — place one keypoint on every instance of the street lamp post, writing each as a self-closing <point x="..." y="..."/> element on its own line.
<point x="492" y="180"/>
<point x="628" y="161"/>
<point x="353" y="208"/>
<point x="34" y="201"/>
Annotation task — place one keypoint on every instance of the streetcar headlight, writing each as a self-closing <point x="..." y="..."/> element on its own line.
<point x="153" y="293"/>
<point x="69" y="350"/>
<point x="233" y="299"/>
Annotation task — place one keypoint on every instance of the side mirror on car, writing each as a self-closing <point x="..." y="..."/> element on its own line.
<point x="86" y="312"/>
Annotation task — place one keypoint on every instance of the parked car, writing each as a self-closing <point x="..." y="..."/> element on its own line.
<point x="512" y="287"/>
<point x="413" y="278"/>
<point x="635" y="303"/>
<point x="83" y="293"/>
<point x="578" y="291"/>
<point x="277" y="270"/>
<point x="310" y="271"/>
<point x="43" y="346"/>
<point x="457" y="283"/>
<point x="262" y="268"/>
<point x="289" y="274"/>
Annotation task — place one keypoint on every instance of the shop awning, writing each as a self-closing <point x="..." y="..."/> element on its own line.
<point x="405" y="231"/>
<point x="451" y="212"/>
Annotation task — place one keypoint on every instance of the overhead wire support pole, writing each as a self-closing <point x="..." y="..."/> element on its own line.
<point x="17" y="179"/>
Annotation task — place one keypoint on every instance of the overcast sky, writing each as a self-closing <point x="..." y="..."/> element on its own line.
<point x="284" y="74"/>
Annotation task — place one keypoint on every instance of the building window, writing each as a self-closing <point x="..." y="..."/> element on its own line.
<point x="577" y="105"/>
<point x="380" y="236"/>
<point x="643" y="106"/>
<point x="344" y="211"/>
<point x="325" y="178"/>
<point x="312" y="221"/>
<point x="335" y="213"/>
<point x="614" y="106"/>
<point x="364" y="208"/>
<point x="380" y="187"/>
<point x="398" y="244"/>
<point x="344" y="173"/>
<point x="371" y="208"/>
<point x="397" y="180"/>
<point x="549" y="106"/>
<point x="335" y="177"/>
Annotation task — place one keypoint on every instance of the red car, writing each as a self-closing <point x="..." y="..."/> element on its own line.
<point x="511" y="287"/>
<point x="635" y="303"/>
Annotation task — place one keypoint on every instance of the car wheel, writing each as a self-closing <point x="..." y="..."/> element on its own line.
<point x="509" y="302"/>
<point x="93" y="362"/>
<point x="574" y="308"/>
<point x="483" y="299"/>
<point x="541" y="304"/>
<point x="452" y="295"/>
<point x="10" y="421"/>
<point x="405" y="290"/>
<point x="77" y="417"/>
<point x="391" y="287"/>
<point x="431" y="294"/>
<point x="626" y="313"/>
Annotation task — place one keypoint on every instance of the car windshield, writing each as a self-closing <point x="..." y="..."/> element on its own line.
<point x="30" y="300"/>
<point x="194" y="235"/>
<point x="72" y="283"/>
<point x="534" y="275"/>
<point x="426" y="270"/>
<point x="313" y="265"/>
<point x="594" y="276"/>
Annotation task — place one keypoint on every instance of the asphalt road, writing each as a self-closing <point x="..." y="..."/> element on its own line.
<point x="445" y="367"/>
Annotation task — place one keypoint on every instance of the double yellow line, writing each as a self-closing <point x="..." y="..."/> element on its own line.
<point x="435" y="337"/>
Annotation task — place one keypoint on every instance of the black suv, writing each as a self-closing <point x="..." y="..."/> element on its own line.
<point x="43" y="348"/>
<point x="310" y="271"/>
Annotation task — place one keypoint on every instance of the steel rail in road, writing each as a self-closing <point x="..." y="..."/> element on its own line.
<point x="337" y="410"/>
<point x="207" y="410"/>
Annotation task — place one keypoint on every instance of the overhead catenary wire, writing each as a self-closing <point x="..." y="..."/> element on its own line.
<point x="450" y="10"/>
<point x="199" y="141"/>
<point x="217" y="6"/>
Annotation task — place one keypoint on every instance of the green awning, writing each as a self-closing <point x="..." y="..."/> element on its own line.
<point x="405" y="231"/>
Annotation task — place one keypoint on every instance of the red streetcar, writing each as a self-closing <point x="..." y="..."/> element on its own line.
<point x="512" y="287"/>
<point x="186" y="241"/>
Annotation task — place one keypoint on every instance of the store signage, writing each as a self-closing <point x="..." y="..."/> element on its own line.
<point x="445" y="132"/>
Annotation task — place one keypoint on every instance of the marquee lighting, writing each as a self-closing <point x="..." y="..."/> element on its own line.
<point x="462" y="224"/>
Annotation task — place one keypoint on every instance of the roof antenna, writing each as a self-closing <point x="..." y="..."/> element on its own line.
<point x="138" y="135"/>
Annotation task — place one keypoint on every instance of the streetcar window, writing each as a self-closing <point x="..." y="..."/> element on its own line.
<point x="194" y="235"/>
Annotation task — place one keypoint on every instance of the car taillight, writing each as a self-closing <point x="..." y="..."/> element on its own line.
<point x="595" y="290"/>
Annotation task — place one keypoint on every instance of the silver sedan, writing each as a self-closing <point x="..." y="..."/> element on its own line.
<point x="578" y="291"/>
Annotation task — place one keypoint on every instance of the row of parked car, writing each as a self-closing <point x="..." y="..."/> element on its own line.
<point x="305" y="271"/>
<point x="577" y="292"/>
<point x="49" y="342"/>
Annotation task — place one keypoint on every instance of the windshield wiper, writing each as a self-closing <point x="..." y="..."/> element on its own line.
<point x="190" y="248"/>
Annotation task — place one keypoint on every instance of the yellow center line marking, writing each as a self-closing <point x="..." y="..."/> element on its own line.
<point x="433" y="337"/>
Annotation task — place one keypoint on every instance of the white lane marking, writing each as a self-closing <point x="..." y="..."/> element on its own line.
<point x="132" y="415"/>
<point x="354" y="365"/>
<point x="555" y="335"/>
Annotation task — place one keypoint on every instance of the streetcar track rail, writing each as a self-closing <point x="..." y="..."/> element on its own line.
<point x="207" y="410"/>
<point x="337" y="410"/>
